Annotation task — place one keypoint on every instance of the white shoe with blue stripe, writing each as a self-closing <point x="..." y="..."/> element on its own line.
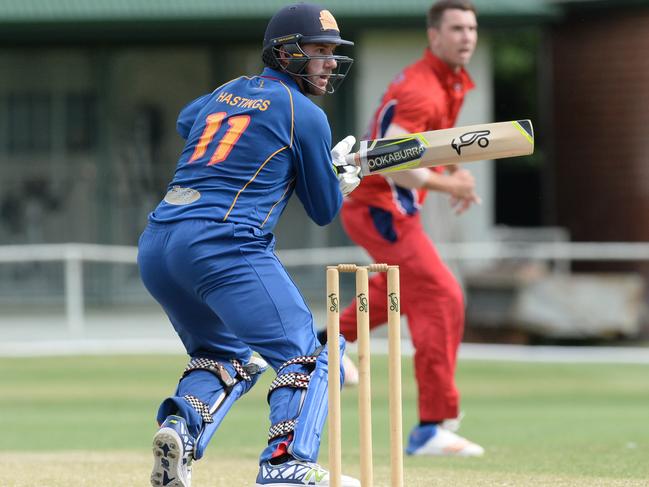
<point x="296" y="472"/>
<point x="436" y="441"/>
<point x="173" y="448"/>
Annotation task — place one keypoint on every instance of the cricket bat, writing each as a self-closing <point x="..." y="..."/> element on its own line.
<point x="442" y="147"/>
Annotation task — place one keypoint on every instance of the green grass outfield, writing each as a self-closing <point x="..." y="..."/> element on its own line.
<point x="88" y="421"/>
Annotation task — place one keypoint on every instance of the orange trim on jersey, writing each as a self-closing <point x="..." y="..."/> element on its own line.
<point x="228" y="82"/>
<point x="288" y="90"/>
<point x="290" y="96"/>
<point x="252" y="179"/>
<point x="288" y="186"/>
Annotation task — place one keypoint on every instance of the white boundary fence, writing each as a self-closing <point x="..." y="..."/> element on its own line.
<point x="73" y="257"/>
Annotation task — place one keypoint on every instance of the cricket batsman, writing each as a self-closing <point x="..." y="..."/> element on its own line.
<point x="207" y="253"/>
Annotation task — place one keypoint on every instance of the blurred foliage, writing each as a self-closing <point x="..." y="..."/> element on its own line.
<point x="517" y="93"/>
<point x="516" y="80"/>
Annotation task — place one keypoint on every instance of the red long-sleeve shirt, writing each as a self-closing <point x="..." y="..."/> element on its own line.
<point x="426" y="95"/>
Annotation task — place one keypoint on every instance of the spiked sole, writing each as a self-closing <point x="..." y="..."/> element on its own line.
<point x="167" y="460"/>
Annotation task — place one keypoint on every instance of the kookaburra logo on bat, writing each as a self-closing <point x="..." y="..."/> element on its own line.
<point x="481" y="137"/>
<point x="394" y="152"/>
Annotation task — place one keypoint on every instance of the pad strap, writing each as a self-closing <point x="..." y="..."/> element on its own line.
<point x="217" y="368"/>
<point x="295" y="380"/>
<point x="241" y="370"/>
<point x="200" y="407"/>
<point x="246" y="377"/>
<point x="304" y="360"/>
<point x="281" y="429"/>
<point x="292" y="379"/>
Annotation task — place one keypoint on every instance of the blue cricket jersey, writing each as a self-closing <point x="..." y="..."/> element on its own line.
<point x="250" y="144"/>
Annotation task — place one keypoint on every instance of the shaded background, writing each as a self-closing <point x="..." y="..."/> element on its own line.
<point x="90" y="91"/>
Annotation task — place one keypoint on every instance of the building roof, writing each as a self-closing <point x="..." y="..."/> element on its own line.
<point x="93" y="10"/>
<point x="34" y="20"/>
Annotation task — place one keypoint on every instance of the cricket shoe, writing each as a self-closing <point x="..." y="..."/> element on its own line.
<point x="437" y="441"/>
<point x="351" y="371"/>
<point x="297" y="472"/>
<point x="453" y="424"/>
<point x="172" y="454"/>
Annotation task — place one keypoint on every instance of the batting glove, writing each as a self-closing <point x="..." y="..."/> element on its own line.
<point x="348" y="175"/>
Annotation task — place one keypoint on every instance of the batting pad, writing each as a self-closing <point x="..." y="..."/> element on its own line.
<point x="313" y="413"/>
<point x="207" y="391"/>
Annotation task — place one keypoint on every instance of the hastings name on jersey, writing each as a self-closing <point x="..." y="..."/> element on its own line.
<point x="243" y="102"/>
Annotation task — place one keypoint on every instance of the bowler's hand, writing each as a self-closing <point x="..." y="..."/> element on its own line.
<point x="462" y="190"/>
<point x="348" y="175"/>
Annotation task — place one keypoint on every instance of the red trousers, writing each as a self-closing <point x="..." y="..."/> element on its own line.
<point x="431" y="299"/>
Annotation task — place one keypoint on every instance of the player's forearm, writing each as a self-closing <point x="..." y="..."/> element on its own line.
<point x="423" y="178"/>
<point x="438" y="182"/>
<point x="411" y="179"/>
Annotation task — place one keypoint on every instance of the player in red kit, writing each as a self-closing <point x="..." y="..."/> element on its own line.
<point x="382" y="215"/>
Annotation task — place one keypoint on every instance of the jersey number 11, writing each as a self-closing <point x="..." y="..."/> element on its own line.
<point x="237" y="126"/>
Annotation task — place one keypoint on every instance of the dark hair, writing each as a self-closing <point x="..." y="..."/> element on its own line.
<point x="435" y="13"/>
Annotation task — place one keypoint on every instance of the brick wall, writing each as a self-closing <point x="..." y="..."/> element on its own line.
<point x="601" y="126"/>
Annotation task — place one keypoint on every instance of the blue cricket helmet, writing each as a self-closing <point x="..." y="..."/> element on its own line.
<point x="313" y="23"/>
<point x="303" y="23"/>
